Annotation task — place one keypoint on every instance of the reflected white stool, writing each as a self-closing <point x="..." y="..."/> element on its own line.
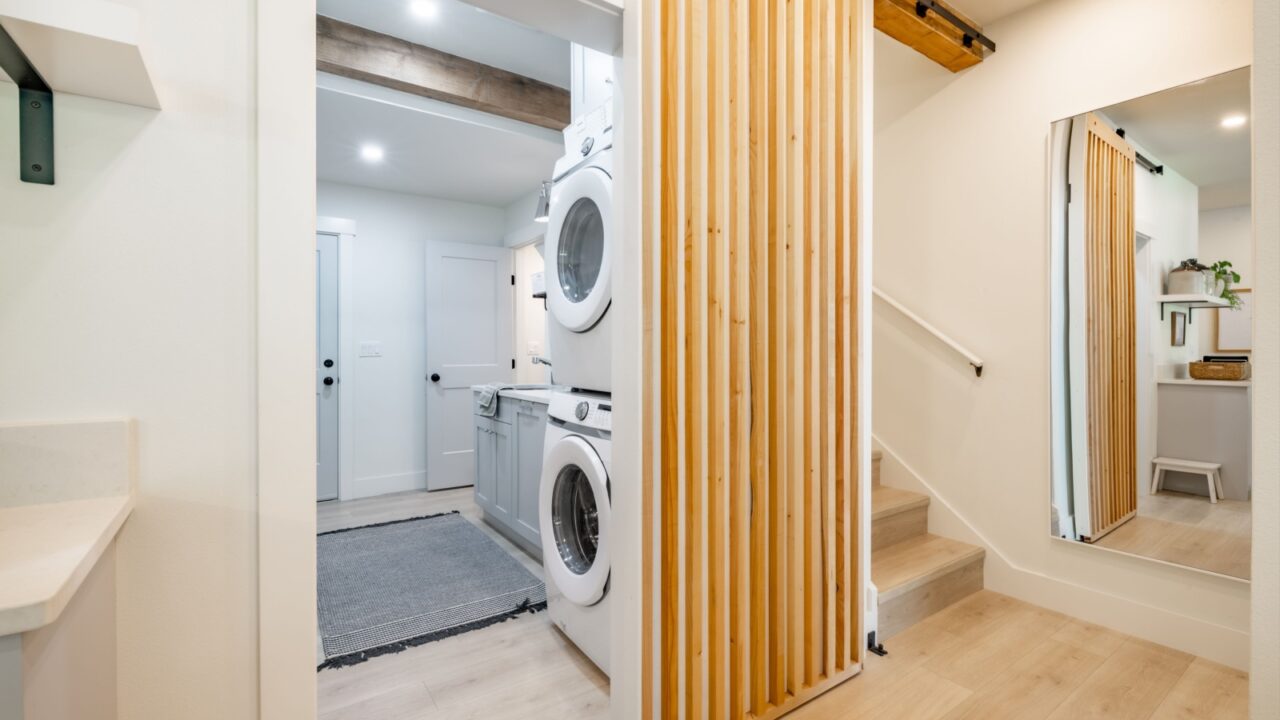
<point x="1211" y="471"/>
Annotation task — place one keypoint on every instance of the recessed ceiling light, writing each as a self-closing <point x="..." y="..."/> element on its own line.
<point x="424" y="9"/>
<point x="1234" y="121"/>
<point x="371" y="153"/>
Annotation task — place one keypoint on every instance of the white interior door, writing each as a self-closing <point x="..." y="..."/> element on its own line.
<point x="326" y="367"/>
<point x="470" y="341"/>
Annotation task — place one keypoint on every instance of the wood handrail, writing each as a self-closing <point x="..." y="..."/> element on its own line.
<point x="974" y="360"/>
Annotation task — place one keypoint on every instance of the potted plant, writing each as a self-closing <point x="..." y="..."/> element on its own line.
<point x="1223" y="278"/>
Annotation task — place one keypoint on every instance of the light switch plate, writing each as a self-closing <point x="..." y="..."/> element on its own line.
<point x="370" y="348"/>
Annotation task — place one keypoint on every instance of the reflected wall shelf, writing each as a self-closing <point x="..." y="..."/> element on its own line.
<point x="1191" y="301"/>
<point x="82" y="47"/>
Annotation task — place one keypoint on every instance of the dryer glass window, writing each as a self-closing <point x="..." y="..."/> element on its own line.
<point x="581" y="250"/>
<point x="574" y="521"/>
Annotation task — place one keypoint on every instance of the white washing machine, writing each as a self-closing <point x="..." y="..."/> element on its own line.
<point x="579" y="255"/>
<point x="574" y="512"/>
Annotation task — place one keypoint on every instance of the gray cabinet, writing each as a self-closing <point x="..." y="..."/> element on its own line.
<point x="509" y="469"/>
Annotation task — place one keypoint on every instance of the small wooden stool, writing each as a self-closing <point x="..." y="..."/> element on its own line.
<point x="1211" y="471"/>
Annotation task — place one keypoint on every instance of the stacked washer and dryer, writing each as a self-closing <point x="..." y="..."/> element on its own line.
<point x="574" y="497"/>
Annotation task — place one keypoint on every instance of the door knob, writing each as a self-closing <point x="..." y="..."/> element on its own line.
<point x="435" y="377"/>
<point x="328" y="381"/>
<point x="328" y="363"/>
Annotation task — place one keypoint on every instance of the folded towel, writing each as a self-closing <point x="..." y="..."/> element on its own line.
<point x="488" y="400"/>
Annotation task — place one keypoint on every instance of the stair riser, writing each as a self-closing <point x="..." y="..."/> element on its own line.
<point x="894" y="529"/>
<point x="911" y="607"/>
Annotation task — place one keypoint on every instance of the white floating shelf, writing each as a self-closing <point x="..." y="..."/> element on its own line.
<point x="1198" y="300"/>
<point x="82" y="47"/>
<point x="1191" y="301"/>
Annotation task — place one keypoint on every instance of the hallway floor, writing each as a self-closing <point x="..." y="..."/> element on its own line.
<point x="990" y="657"/>
<point x="523" y="668"/>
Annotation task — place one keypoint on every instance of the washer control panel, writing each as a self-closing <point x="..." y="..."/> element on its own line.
<point x="591" y="410"/>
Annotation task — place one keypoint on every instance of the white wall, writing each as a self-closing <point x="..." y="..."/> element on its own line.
<point x="388" y="306"/>
<point x="530" y="317"/>
<point x="1264" y="686"/>
<point x="1225" y="234"/>
<point x="1166" y="209"/>
<point x="961" y="236"/>
<point x="128" y="289"/>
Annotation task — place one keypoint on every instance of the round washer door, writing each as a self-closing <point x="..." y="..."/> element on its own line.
<point x="573" y="509"/>
<point x="580" y="248"/>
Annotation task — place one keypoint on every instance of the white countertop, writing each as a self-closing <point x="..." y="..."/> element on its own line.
<point x="540" y="395"/>
<point x="1209" y="383"/>
<point x="46" y="551"/>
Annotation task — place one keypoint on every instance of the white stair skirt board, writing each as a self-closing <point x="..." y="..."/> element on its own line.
<point x="384" y="485"/>
<point x="1219" y="643"/>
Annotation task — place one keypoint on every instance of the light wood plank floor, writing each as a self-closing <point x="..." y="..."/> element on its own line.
<point x="992" y="657"/>
<point x="985" y="658"/>
<point x="523" y="668"/>
<point x="1189" y="530"/>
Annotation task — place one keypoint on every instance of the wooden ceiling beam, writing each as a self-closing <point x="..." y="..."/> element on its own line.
<point x="931" y="35"/>
<point x="361" y="54"/>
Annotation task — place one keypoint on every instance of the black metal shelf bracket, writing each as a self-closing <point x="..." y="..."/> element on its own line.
<point x="35" y="113"/>
<point x="971" y="33"/>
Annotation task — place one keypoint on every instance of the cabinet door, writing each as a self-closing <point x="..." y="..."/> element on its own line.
<point x="531" y="428"/>
<point x="486" y="467"/>
<point x="504" y="483"/>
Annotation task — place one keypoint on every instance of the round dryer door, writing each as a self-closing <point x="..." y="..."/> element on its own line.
<point x="573" y="506"/>
<point x="580" y="248"/>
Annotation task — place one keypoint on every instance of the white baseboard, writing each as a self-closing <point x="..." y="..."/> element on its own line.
<point x="1211" y="641"/>
<point x="383" y="485"/>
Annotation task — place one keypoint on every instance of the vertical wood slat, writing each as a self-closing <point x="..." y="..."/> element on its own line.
<point x="1112" y="329"/>
<point x="755" y="334"/>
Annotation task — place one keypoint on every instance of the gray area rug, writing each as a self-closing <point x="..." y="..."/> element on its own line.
<point x="388" y="587"/>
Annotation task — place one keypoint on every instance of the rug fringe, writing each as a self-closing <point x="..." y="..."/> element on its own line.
<point x="389" y="522"/>
<point x="355" y="658"/>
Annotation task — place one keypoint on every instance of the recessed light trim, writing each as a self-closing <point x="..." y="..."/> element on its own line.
<point x="425" y="9"/>
<point x="1234" y="121"/>
<point x="371" y="153"/>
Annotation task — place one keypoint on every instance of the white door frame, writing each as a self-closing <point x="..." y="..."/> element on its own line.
<point x="345" y="230"/>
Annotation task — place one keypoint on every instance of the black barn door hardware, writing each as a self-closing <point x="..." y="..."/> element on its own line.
<point x="1143" y="161"/>
<point x="971" y="34"/>
<point x="35" y="113"/>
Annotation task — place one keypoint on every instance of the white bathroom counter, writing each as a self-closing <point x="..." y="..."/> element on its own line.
<point x="46" y="551"/>
<point x="1206" y="383"/>
<point x="540" y="395"/>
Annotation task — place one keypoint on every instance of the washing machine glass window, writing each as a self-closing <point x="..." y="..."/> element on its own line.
<point x="576" y="522"/>
<point x="581" y="250"/>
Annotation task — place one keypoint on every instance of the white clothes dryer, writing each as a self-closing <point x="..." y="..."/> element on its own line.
<point x="575" y="519"/>
<point x="579" y="254"/>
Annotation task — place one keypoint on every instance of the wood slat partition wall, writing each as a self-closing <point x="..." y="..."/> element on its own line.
<point x="1112" y="328"/>
<point x="753" y="330"/>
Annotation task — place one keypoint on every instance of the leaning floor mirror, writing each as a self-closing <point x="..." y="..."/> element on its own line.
<point x="1151" y="248"/>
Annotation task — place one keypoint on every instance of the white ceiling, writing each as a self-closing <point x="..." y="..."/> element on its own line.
<point x="985" y="12"/>
<point x="431" y="148"/>
<point x="463" y="30"/>
<point x="1181" y="128"/>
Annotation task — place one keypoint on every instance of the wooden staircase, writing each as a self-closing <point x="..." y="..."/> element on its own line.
<point x="917" y="573"/>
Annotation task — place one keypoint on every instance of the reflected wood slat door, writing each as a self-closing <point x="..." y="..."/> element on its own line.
<point x="1112" y="328"/>
<point x="751" y="172"/>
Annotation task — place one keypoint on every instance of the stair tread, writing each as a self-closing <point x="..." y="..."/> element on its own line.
<point x="889" y="501"/>
<point x="904" y="566"/>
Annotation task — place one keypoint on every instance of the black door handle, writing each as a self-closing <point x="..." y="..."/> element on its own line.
<point x="328" y="363"/>
<point x="435" y="377"/>
<point x="328" y="381"/>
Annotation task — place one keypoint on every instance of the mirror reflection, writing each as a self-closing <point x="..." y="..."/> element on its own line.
<point x="1151" y="250"/>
